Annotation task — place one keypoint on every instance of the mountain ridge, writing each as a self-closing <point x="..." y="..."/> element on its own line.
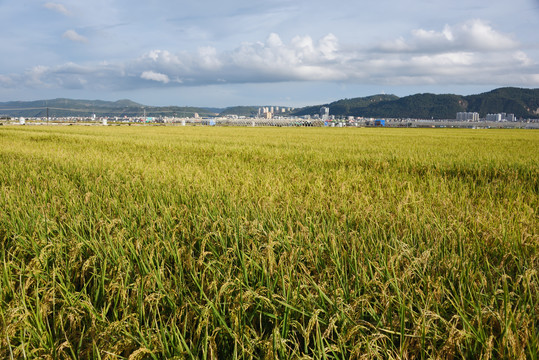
<point x="61" y="107"/>
<point x="522" y="102"/>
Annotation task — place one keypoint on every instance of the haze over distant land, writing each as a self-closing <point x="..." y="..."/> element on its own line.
<point x="239" y="52"/>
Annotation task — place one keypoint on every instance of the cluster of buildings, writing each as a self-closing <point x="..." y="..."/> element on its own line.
<point x="501" y="117"/>
<point x="474" y="116"/>
<point x="467" y="116"/>
<point x="280" y="116"/>
<point x="269" y="112"/>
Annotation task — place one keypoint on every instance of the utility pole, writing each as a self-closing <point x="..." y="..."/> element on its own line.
<point x="47" y="115"/>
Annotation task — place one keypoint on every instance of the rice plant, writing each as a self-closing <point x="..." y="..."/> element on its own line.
<point x="218" y="243"/>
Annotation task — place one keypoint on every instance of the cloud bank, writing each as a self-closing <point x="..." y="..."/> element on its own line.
<point x="472" y="52"/>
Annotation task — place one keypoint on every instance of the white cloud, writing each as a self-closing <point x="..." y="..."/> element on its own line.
<point x="522" y="58"/>
<point x="304" y="46"/>
<point x="473" y="35"/>
<point x="74" y="36"/>
<point x="155" y="76"/>
<point x="34" y="76"/>
<point x="478" y="35"/>
<point x="274" y="41"/>
<point x="329" y="46"/>
<point x="57" y="7"/>
<point x="209" y="59"/>
<point x="300" y="60"/>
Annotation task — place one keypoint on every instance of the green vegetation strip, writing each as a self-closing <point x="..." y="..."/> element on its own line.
<point x="204" y="243"/>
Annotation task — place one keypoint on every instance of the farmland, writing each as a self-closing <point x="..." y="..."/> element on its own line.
<point x="203" y="242"/>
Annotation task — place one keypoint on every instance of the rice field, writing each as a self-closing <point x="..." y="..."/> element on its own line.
<point x="268" y="243"/>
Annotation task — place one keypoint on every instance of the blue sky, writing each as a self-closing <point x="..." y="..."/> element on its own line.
<point x="271" y="52"/>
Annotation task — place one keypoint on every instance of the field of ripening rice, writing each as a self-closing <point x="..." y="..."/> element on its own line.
<point x="268" y="243"/>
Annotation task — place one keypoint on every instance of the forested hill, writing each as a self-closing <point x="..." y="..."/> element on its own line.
<point x="347" y="107"/>
<point x="521" y="102"/>
<point x="524" y="103"/>
<point x="248" y="111"/>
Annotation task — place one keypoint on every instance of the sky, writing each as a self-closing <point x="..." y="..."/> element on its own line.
<point x="218" y="53"/>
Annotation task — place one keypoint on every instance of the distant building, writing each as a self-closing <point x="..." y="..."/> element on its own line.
<point x="501" y="117"/>
<point x="467" y="116"/>
<point x="324" y="113"/>
<point x="494" y="117"/>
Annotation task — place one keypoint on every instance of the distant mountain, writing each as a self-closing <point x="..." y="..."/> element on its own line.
<point x="521" y="102"/>
<point x="347" y="107"/>
<point x="524" y="103"/>
<point x="70" y="107"/>
<point x="424" y="106"/>
<point x="126" y="103"/>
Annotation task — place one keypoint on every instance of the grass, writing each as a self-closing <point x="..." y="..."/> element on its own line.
<point x="204" y="243"/>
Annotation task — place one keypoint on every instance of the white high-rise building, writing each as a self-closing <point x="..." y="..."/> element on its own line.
<point x="324" y="113"/>
<point x="494" y="117"/>
<point x="467" y="116"/>
<point x="501" y="117"/>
